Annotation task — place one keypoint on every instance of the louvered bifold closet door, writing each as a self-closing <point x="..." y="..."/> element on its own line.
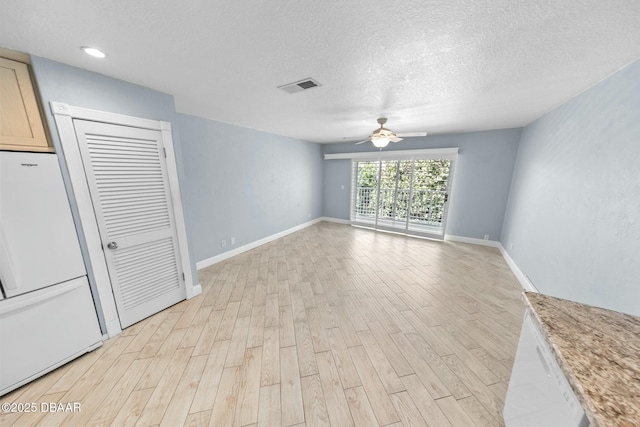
<point x="127" y="177"/>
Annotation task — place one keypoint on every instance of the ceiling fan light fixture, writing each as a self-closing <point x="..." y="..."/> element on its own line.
<point x="380" y="141"/>
<point x="381" y="137"/>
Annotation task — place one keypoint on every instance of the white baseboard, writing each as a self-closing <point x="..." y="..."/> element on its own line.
<point x="195" y="290"/>
<point x="472" y="240"/>
<point x="524" y="281"/>
<point x="336" y="220"/>
<point x="522" y="278"/>
<point x="113" y="328"/>
<point x="240" y="249"/>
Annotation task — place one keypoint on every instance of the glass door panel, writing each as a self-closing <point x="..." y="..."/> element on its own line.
<point x="395" y="189"/>
<point x="366" y="192"/>
<point x="429" y="195"/>
<point x="386" y="206"/>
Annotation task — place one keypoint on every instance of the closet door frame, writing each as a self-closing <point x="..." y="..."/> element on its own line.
<point x="64" y="115"/>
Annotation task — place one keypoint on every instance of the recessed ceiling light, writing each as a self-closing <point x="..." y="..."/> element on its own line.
<point x="93" y="52"/>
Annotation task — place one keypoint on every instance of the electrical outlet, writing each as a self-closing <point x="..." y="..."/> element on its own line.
<point x="233" y="240"/>
<point x="510" y="245"/>
<point x="486" y="237"/>
<point x="342" y="187"/>
<point x="309" y="215"/>
<point x="223" y="243"/>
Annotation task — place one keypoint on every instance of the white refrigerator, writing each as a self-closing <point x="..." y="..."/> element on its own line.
<point x="47" y="313"/>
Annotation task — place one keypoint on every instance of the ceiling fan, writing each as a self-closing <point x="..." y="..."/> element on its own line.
<point x="382" y="136"/>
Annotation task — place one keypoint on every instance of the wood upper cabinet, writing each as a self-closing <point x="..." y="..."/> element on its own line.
<point x="21" y="127"/>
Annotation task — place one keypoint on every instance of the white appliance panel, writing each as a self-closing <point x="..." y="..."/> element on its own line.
<point x="539" y="395"/>
<point x="38" y="240"/>
<point x="44" y="329"/>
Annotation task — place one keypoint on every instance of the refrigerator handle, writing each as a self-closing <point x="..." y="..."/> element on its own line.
<point x="7" y="272"/>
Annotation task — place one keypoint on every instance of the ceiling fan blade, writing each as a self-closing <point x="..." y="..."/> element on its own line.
<point x="411" y="134"/>
<point x="361" y="142"/>
<point x="395" y="139"/>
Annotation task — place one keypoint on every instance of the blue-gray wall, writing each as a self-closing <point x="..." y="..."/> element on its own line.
<point x="245" y="183"/>
<point x="336" y="188"/>
<point x="74" y="86"/>
<point x="573" y="216"/>
<point x="480" y="186"/>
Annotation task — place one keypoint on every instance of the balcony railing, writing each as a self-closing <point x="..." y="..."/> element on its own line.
<point x="421" y="207"/>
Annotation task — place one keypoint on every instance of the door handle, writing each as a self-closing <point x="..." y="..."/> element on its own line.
<point x="112" y="245"/>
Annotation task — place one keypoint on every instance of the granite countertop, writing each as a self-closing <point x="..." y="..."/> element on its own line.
<point x="599" y="353"/>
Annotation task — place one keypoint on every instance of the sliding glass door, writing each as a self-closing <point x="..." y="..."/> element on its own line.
<point x="409" y="196"/>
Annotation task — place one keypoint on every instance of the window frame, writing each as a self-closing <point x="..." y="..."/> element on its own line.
<point x="450" y="154"/>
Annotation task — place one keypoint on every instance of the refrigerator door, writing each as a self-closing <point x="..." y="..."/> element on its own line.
<point x="38" y="241"/>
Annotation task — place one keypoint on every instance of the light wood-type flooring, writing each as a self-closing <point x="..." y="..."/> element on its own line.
<point x="331" y="325"/>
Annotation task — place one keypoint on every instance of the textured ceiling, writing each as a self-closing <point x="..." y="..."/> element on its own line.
<point x="435" y="65"/>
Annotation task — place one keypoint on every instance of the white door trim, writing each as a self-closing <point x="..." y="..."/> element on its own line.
<point x="64" y="115"/>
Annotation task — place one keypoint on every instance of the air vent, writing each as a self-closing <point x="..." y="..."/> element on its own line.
<point x="300" y="85"/>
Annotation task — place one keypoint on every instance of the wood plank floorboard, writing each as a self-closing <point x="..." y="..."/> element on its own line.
<point x="332" y="325"/>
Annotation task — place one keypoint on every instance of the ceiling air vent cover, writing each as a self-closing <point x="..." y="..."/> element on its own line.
<point x="300" y="85"/>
